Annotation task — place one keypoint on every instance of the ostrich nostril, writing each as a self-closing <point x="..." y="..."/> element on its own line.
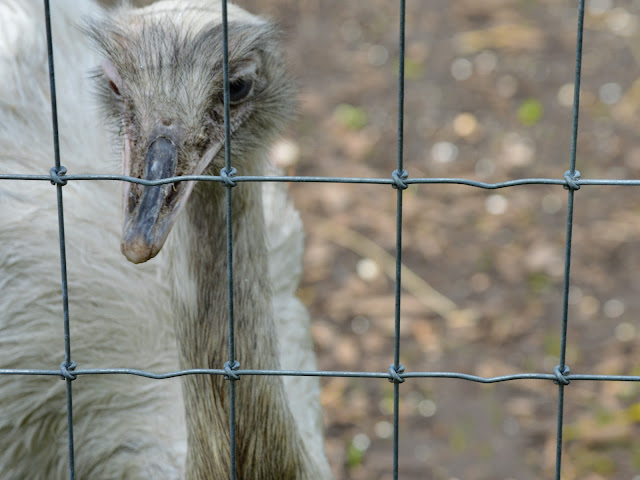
<point x="167" y="122"/>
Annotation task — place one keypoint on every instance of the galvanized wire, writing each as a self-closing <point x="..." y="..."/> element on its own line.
<point x="399" y="175"/>
<point x="400" y="180"/>
<point x="56" y="172"/>
<point x="227" y="172"/>
<point x="391" y="180"/>
<point x="571" y="177"/>
<point x="323" y="373"/>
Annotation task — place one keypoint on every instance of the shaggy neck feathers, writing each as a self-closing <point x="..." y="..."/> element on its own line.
<point x="268" y="442"/>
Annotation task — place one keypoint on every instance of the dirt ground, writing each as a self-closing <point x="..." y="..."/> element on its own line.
<point x="489" y="91"/>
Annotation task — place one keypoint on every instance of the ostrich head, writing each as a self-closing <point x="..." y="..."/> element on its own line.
<point x="161" y="82"/>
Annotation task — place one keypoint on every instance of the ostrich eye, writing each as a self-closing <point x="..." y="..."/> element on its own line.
<point x="240" y="89"/>
<point x="114" y="88"/>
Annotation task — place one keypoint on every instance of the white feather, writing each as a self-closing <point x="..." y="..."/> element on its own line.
<point x="125" y="427"/>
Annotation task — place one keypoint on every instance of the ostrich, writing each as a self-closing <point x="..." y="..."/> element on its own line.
<point x="159" y="83"/>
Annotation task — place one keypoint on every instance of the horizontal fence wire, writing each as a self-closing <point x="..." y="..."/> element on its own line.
<point x="345" y="180"/>
<point x="320" y="373"/>
<point x="400" y="180"/>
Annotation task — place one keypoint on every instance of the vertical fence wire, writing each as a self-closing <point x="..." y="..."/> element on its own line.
<point x="400" y="175"/>
<point x="68" y="365"/>
<point x="399" y="181"/>
<point x="572" y="174"/>
<point x="228" y="172"/>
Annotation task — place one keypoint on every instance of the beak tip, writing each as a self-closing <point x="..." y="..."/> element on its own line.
<point x="138" y="252"/>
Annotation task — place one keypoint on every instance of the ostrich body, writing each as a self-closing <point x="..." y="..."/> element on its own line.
<point x="160" y="84"/>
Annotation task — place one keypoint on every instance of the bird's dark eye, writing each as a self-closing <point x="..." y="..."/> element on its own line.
<point x="240" y="89"/>
<point x="114" y="88"/>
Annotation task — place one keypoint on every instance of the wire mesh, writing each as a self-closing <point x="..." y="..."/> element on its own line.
<point x="400" y="180"/>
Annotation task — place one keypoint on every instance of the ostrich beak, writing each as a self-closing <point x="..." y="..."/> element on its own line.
<point x="150" y="210"/>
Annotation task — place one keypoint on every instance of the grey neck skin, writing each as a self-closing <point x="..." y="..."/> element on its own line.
<point x="268" y="443"/>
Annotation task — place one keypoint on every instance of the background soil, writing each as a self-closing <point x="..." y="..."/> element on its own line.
<point x="489" y="93"/>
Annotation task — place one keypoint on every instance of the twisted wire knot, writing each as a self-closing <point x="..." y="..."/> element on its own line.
<point x="398" y="178"/>
<point x="229" y="370"/>
<point x="572" y="180"/>
<point x="226" y="176"/>
<point x="395" y="373"/>
<point x="56" y="175"/>
<point x="560" y="376"/>
<point x="66" y="370"/>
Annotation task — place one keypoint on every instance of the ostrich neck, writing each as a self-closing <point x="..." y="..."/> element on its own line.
<point x="267" y="439"/>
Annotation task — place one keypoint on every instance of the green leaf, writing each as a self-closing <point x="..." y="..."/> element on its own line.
<point x="530" y="112"/>
<point x="354" y="456"/>
<point x="351" y="117"/>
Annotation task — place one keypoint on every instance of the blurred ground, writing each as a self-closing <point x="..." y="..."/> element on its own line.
<point x="489" y="94"/>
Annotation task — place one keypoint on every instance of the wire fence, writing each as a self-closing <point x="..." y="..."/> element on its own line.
<point x="399" y="180"/>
